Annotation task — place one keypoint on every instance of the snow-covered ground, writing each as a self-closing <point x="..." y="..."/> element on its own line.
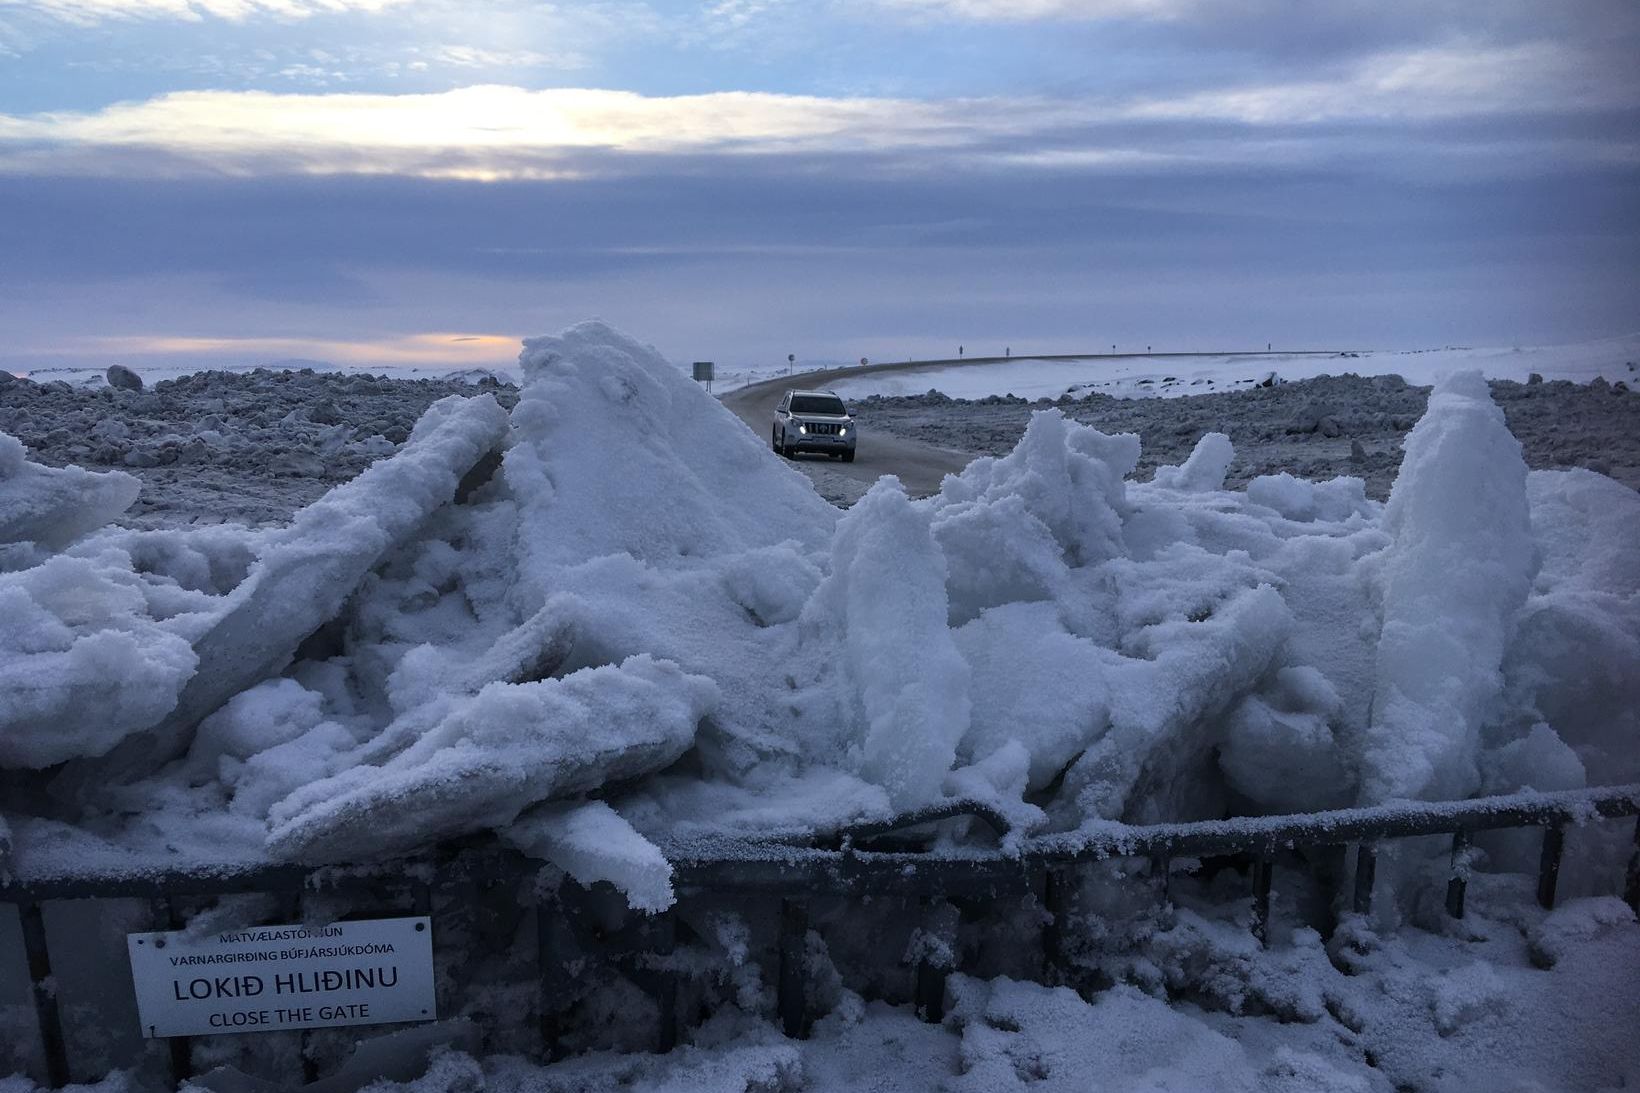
<point x="544" y="626"/>
<point x="1613" y="359"/>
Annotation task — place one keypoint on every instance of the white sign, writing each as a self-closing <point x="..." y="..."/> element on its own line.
<point x="265" y="978"/>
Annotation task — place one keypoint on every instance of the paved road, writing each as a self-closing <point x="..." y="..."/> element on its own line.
<point x="920" y="466"/>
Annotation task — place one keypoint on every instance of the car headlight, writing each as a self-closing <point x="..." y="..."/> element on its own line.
<point x="803" y="429"/>
<point x="842" y="430"/>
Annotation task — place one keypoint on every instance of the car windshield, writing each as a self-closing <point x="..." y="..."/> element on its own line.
<point x="817" y="404"/>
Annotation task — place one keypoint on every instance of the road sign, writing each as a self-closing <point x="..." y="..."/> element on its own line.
<point x="368" y="972"/>
<point x="703" y="371"/>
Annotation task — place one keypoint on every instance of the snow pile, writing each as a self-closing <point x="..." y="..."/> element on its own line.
<point x="612" y="620"/>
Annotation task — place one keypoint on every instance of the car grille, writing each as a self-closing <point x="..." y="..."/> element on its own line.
<point x="822" y="428"/>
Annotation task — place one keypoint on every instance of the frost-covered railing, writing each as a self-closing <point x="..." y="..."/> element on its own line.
<point x="847" y="864"/>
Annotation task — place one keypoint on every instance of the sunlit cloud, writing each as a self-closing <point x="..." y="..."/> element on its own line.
<point x="495" y="131"/>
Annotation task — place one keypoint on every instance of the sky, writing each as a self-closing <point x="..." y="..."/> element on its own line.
<point x="424" y="182"/>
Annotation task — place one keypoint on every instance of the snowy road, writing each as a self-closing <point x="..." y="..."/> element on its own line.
<point x="920" y="466"/>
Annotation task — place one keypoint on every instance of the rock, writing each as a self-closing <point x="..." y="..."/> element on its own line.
<point x="1313" y="417"/>
<point x="1598" y="385"/>
<point x="1358" y="454"/>
<point x="1533" y="378"/>
<point x="140" y="458"/>
<point x="297" y="464"/>
<point x="123" y="377"/>
<point x="324" y="412"/>
<point x="1330" y="427"/>
<point x="8" y="380"/>
<point x="1620" y="388"/>
<point x="110" y="428"/>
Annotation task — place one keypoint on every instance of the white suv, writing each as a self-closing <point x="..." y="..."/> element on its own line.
<point x="813" y="421"/>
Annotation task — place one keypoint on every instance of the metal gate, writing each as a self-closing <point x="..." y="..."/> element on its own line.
<point x="866" y="860"/>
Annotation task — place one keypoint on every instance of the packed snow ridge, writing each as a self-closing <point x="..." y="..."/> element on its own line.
<point x="612" y="620"/>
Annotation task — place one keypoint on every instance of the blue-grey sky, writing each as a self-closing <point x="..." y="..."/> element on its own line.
<point x="425" y="181"/>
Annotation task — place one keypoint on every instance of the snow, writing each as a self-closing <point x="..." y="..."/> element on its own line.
<point x="610" y="622"/>
<point x="1145" y="376"/>
<point x="1045" y="632"/>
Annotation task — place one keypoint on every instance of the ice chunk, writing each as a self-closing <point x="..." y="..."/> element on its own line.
<point x="615" y="450"/>
<point x="591" y="842"/>
<point x="486" y="758"/>
<point x="1034" y="682"/>
<point x="1279" y="748"/>
<point x="1459" y="569"/>
<point x="1203" y="471"/>
<point x="1165" y="698"/>
<point x="906" y="684"/>
<point x="53" y="506"/>
<point x="306" y="572"/>
<point x="1011" y="528"/>
<point x="996" y="553"/>
<point x="1070" y="478"/>
<point x="1574" y="659"/>
<point x="1303" y="500"/>
<point x="82" y="661"/>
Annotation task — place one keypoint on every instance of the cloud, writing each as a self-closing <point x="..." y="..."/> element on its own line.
<point x="1418" y="84"/>
<point x="492" y="132"/>
<point x="1021" y="11"/>
<point x="467" y="56"/>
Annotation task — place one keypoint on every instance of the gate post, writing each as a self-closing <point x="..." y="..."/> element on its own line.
<point x="1263" y="874"/>
<point x="45" y="993"/>
<point x="1631" y="879"/>
<point x="1366" y="872"/>
<point x="792" y="997"/>
<point x="165" y="916"/>
<point x="1458" y="884"/>
<point x="1554" y="844"/>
